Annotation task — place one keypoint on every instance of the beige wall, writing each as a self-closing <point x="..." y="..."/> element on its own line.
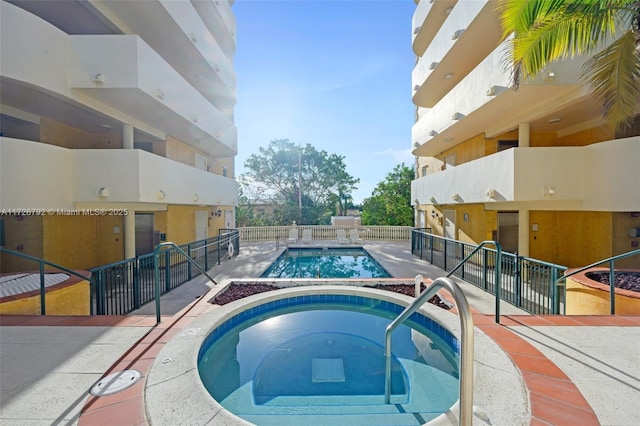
<point x="181" y="152"/>
<point x="76" y="242"/>
<point x="622" y="242"/>
<point x="570" y="238"/>
<point x="83" y="242"/>
<point x="24" y="235"/>
<point x="59" y="134"/>
<point x="588" y="137"/>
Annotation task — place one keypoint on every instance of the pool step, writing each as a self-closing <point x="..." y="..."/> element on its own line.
<point x="371" y="419"/>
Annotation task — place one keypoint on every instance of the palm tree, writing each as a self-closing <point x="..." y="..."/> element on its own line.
<point x="549" y="30"/>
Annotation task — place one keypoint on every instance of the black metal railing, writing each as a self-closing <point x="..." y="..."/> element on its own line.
<point x="526" y="283"/>
<point x="124" y="286"/>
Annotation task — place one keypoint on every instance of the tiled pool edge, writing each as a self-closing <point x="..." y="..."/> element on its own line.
<point x="163" y="387"/>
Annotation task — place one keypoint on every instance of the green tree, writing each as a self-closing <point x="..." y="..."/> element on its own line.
<point x="390" y="203"/>
<point x="307" y="182"/>
<point x="549" y="30"/>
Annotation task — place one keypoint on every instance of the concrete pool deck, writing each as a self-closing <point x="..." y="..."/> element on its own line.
<point x="577" y="370"/>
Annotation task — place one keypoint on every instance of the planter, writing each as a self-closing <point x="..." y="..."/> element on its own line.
<point x="586" y="295"/>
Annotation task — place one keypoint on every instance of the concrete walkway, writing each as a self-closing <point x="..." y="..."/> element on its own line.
<point x="48" y="364"/>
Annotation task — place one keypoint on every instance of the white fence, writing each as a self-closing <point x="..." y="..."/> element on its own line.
<point x="324" y="232"/>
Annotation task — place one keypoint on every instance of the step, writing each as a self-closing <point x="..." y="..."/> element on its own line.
<point x="368" y="419"/>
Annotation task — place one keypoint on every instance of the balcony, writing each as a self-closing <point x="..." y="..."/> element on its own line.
<point x="466" y="37"/>
<point x="427" y="20"/>
<point x="40" y="176"/>
<point x="598" y="177"/>
<point x="110" y="79"/>
<point x="149" y="89"/>
<point x="484" y="104"/>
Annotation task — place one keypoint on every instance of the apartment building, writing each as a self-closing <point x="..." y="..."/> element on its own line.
<point x="537" y="170"/>
<point x="117" y="127"/>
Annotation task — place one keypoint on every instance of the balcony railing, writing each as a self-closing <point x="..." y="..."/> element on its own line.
<point x="265" y="234"/>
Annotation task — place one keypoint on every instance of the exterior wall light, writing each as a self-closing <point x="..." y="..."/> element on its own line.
<point x="218" y="213"/>
<point x="495" y="90"/>
<point x="103" y="192"/>
<point x="456" y="35"/>
<point x="98" y="79"/>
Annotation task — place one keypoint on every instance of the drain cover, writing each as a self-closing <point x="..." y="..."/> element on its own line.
<point x="327" y="370"/>
<point x="115" y="382"/>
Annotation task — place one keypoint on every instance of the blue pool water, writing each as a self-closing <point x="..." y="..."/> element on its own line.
<point x="325" y="263"/>
<point x="323" y="355"/>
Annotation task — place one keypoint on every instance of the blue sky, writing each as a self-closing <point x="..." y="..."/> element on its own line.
<point x="334" y="74"/>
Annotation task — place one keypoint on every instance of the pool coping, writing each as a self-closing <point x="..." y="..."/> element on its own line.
<point x="174" y="375"/>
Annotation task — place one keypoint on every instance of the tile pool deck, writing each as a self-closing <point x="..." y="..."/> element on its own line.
<point x="578" y="370"/>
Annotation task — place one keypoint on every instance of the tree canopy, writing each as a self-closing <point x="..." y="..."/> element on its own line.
<point x="548" y="30"/>
<point x="390" y="203"/>
<point x="309" y="185"/>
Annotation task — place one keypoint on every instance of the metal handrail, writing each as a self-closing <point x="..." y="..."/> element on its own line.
<point x="466" y="344"/>
<point x="41" y="263"/>
<point x="156" y="269"/>
<point x="498" y="270"/>
<point x="611" y="260"/>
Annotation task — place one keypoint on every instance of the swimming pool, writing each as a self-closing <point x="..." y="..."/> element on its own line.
<point x="325" y="263"/>
<point x="323" y="355"/>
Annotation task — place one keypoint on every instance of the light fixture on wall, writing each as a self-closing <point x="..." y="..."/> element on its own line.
<point x="161" y="195"/>
<point x="549" y="191"/>
<point x="417" y="29"/>
<point x="103" y="192"/>
<point x="456" y="35"/>
<point x="433" y="133"/>
<point x="196" y="198"/>
<point x="416" y="202"/>
<point x="492" y="193"/>
<point x="457" y="116"/>
<point x="98" y="79"/>
<point x="218" y="213"/>
<point x="416" y="144"/>
<point x="495" y="90"/>
<point x="432" y="199"/>
<point x="550" y="75"/>
<point x="416" y="87"/>
<point x="456" y="197"/>
<point x="194" y="118"/>
<point x="159" y="94"/>
<point x="433" y="65"/>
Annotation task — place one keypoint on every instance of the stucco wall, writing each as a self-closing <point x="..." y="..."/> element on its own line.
<point x="68" y="298"/>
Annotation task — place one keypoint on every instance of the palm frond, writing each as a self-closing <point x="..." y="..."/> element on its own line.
<point x="548" y="30"/>
<point x="614" y="77"/>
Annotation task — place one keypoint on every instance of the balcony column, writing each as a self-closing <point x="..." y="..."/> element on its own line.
<point x="130" y="219"/>
<point x="524" y="141"/>
<point x="523" y="135"/>
<point x="523" y="232"/>
<point x="127" y="136"/>
<point x="130" y="235"/>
